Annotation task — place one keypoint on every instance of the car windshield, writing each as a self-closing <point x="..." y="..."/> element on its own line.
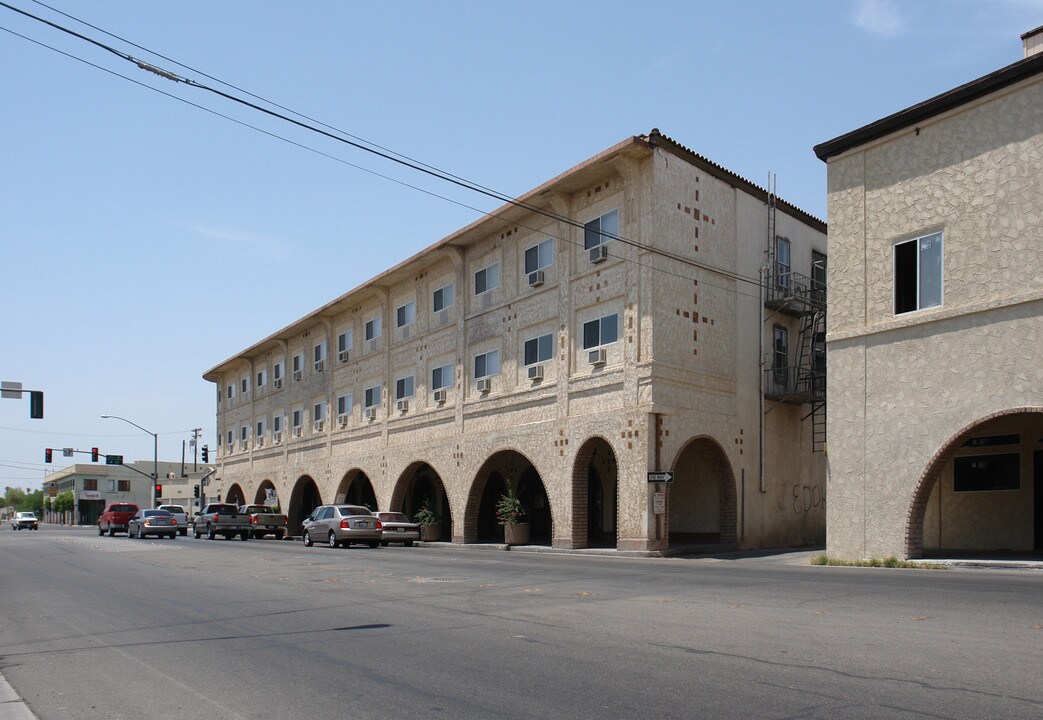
<point x="124" y="508"/>
<point x="26" y="516"/>
<point x="393" y="517"/>
<point x="353" y="510"/>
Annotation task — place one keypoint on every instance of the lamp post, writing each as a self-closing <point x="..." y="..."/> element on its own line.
<point x="155" y="453"/>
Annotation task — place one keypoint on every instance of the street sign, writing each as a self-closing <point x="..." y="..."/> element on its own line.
<point x="67" y="452"/>
<point x="659" y="503"/>
<point x="665" y="476"/>
<point x="11" y="390"/>
<point x="113" y="459"/>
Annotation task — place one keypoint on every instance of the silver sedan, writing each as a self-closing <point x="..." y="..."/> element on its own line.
<point x="398" y="529"/>
<point x="342" y="525"/>
<point x="152" y="522"/>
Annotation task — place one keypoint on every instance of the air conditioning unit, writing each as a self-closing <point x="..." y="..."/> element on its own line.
<point x="440" y="396"/>
<point x="342" y="420"/>
<point x="371" y="413"/>
<point x="342" y="356"/>
<point x="296" y="374"/>
<point x="297" y="431"/>
<point x="260" y="441"/>
<point x="402" y="405"/>
<point x="484" y="385"/>
<point x="277" y="382"/>
<point x="536" y="278"/>
<point x="319" y="425"/>
<point x="244" y="444"/>
<point x="276" y="438"/>
<point x="597" y="357"/>
<point x="320" y="365"/>
<point x="598" y="253"/>
<point x="536" y="372"/>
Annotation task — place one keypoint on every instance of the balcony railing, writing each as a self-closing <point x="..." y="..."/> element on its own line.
<point x="795" y="289"/>
<point x="794" y="384"/>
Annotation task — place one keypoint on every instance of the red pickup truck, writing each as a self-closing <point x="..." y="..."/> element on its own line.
<point x="116" y="518"/>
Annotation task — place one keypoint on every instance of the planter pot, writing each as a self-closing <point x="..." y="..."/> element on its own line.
<point x="430" y="533"/>
<point x="517" y="534"/>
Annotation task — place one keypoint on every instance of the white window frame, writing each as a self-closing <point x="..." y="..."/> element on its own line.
<point x="537" y="340"/>
<point x="245" y="385"/>
<point x="298" y="362"/>
<point x="490" y="278"/>
<point x="262" y="378"/>
<point x="448" y="292"/>
<point x="405" y="387"/>
<point x="319" y="352"/>
<point x="277" y="371"/>
<point x="446" y="377"/>
<point x="373" y="328"/>
<point x="344" y="341"/>
<point x="783" y="265"/>
<point x="600" y="321"/>
<point x="405" y="314"/>
<point x="231" y="391"/>
<point x="277" y="423"/>
<point x="244" y="433"/>
<point x="545" y="246"/>
<point x="594" y="230"/>
<point x="344" y="404"/>
<point x="486" y="356"/>
<point x="318" y="411"/>
<point x="373" y="396"/>
<point x="932" y="238"/>
<point x="260" y="428"/>
<point x="298" y="418"/>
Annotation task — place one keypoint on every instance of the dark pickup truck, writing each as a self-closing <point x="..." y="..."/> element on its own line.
<point x="265" y="521"/>
<point x="116" y="518"/>
<point x="221" y="519"/>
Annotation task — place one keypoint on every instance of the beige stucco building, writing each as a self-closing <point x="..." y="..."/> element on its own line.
<point x="936" y="323"/>
<point x="611" y="323"/>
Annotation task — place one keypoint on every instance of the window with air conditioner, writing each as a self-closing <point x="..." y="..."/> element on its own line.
<point x="538" y="349"/>
<point x="442" y="377"/>
<point x="537" y="258"/>
<point x="343" y="408"/>
<point x="535" y="372"/>
<point x="486" y="279"/>
<point x="344" y="345"/>
<point x="298" y="421"/>
<point x="404" y="387"/>
<point x="372" y="397"/>
<point x="405" y="314"/>
<point x="277" y="423"/>
<point x="442" y="298"/>
<point x="601" y="230"/>
<point x="298" y="364"/>
<point x="487" y="364"/>
<point x="918" y="273"/>
<point x="260" y="428"/>
<point x="603" y="331"/>
<point x="277" y="375"/>
<point x="319" y="356"/>
<point x="439" y="396"/>
<point x="318" y="415"/>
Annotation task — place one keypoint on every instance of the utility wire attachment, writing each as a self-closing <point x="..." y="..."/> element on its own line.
<point x="157" y="70"/>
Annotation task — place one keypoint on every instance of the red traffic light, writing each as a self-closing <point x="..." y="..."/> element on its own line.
<point x="47" y="455"/>
<point x="159" y="491"/>
<point x="94" y="454"/>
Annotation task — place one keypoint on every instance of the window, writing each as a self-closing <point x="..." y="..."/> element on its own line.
<point x="487" y="279"/>
<point x="443" y="298"/>
<point x="246" y="385"/>
<point x="818" y="277"/>
<point x="260" y="428"/>
<point x="229" y="438"/>
<point x="986" y="473"/>
<point x="600" y="230"/>
<point x="539" y="349"/>
<point x="112" y="485"/>
<point x="231" y="391"/>
<point x="442" y="377"/>
<point x="603" y="331"/>
<point x="320" y="354"/>
<point x="262" y="378"/>
<point x="404" y="387"/>
<point x="298" y="361"/>
<point x="487" y="364"/>
<point x="344" y="404"/>
<point x="90" y="483"/>
<point x="344" y="341"/>
<point x="373" y="328"/>
<point x="124" y="486"/>
<point x="539" y="256"/>
<point x="406" y="314"/>
<point x="918" y="273"/>
<point x="242" y="433"/>
<point x="782" y="262"/>
<point x="297" y="418"/>
<point x="277" y="423"/>
<point x="373" y="396"/>
<point x="991" y="440"/>
<point x="318" y="412"/>
<point x="277" y="371"/>
<point x="780" y="356"/>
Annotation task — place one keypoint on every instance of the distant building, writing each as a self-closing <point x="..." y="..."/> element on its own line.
<point x="645" y="311"/>
<point x="936" y="322"/>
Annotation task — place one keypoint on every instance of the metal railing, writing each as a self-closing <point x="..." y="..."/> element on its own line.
<point x="795" y="384"/>
<point x="793" y="286"/>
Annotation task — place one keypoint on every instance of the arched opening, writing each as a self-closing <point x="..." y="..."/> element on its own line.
<point x="507" y="469"/>
<point x="982" y="492"/>
<point x="267" y="495"/>
<point x="356" y="489"/>
<point x="701" y="501"/>
<point x="421" y="485"/>
<point x="235" y="495"/>
<point x="595" y="476"/>
<point x="304" y="498"/>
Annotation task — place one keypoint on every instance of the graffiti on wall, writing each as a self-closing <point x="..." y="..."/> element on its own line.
<point x="806" y="498"/>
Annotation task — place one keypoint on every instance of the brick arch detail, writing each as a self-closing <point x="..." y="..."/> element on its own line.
<point x="474" y="495"/>
<point x="929" y="477"/>
<point x="580" y="470"/>
<point x="235" y="494"/>
<point x="729" y="501"/>
<point x="398" y="493"/>
<point x="259" y="497"/>
<point x="348" y="478"/>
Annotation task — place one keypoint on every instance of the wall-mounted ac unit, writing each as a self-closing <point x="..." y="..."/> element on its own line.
<point x="320" y="365"/>
<point x="597" y="357"/>
<point x="342" y="356"/>
<point x="598" y="253"/>
<point x="244" y="444"/>
<point x="319" y="425"/>
<point x="483" y="385"/>
<point x="402" y="405"/>
<point x="297" y="431"/>
<point x="342" y="420"/>
<point x="440" y="396"/>
<point x="536" y="372"/>
<point x="260" y="441"/>
<point x="371" y="413"/>
<point x="536" y="278"/>
<point x="277" y="383"/>
<point x="296" y="374"/>
<point x="276" y="438"/>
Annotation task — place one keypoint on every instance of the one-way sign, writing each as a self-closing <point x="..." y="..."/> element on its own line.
<point x="665" y="476"/>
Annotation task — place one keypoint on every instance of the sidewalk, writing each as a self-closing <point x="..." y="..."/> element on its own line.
<point x="12" y="707"/>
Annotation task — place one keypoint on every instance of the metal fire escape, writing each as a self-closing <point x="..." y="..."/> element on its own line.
<point x="801" y="378"/>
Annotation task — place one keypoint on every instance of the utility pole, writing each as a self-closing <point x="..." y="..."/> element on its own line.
<point x="195" y="447"/>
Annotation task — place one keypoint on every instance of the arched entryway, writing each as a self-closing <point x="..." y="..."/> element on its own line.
<point x="356" y="489"/>
<point x="507" y="469"/>
<point x="595" y="476"/>
<point x="267" y="494"/>
<point x="421" y="485"/>
<point x="235" y="495"/>
<point x="982" y="492"/>
<point x="304" y="498"/>
<point x="701" y="501"/>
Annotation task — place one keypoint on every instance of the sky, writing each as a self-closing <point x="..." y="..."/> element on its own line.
<point x="151" y="229"/>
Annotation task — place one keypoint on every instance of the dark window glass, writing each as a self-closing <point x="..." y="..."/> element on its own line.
<point x="987" y="473"/>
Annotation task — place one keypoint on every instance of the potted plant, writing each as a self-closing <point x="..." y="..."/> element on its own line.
<point x="430" y="523"/>
<point x="517" y="530"/>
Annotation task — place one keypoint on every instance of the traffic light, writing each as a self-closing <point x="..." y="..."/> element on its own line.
<point x="47" y="455"/>
<point x="159" y="491"/>
<point x="36" y="404"/>
<point x="206" y="455"/>
<point x="195" y="491"/>
<point x="94" y="454"/>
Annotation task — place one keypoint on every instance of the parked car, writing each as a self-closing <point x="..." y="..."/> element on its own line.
<point x="342" y="525"/>
<point x="221" y="519"/>
<point x="152" y="522"/>
<point x="265" y="521"/>
<point x="398" y="529"/>
<point x="116" y="518"/>
<point x="180" y="515"/>
<point x="24" y="521"/>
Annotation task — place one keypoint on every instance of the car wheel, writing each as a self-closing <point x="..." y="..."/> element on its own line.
<point x="195" y="532"/>
<point x="333" y="540"/>
<point x="307" y="539"/>
<point x="374" y="543"/>
<point x="112" y="531"/>
<point x="280" y="534"/>
<point x="244" y="535"/>
<point x="210" y="534"/>
<point x="183" y="531"/>
<point x="383" y="543"/>
<point x="258" y="535"/>
<point x="100" y="531"/>
<point x="408" y="543"/>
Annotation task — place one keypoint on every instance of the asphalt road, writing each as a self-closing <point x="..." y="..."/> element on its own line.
<point x="99" y="627"/>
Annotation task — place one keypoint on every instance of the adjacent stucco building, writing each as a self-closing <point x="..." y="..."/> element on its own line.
<point x="935" y="334"/>
<point x="647" y="310"/>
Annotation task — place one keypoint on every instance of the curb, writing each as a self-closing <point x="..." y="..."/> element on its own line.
<point x="12" y="707"/>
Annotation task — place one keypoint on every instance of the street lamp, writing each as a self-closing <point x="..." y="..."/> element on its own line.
<point x="155" y="452"/>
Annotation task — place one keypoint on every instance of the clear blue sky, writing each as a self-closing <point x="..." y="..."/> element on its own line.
<point x="145" y="240"/>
